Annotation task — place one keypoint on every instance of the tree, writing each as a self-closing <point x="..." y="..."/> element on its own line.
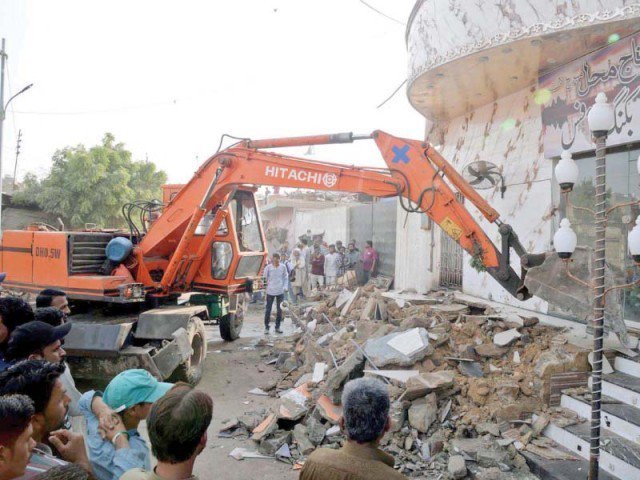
<point x="91" y="186"/>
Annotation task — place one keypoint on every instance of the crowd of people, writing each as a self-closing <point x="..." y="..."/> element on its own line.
<point x="38" y="396"/>
<point x="311" y="266"/>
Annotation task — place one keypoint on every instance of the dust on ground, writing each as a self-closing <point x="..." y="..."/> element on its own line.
<point x="231" y="370"/>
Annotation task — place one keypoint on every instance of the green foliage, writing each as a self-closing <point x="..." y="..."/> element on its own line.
<point x="91" y="185"/>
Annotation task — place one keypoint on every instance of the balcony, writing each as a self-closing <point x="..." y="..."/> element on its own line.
<point x="464" y="54"/>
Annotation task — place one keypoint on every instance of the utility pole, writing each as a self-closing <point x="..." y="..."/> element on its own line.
<point x="15" y="166"/>
<point x="3" y="113"/>
<point x="3" y="57"/>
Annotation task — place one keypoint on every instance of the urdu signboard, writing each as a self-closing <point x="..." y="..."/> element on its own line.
<point x="569" y="92"/>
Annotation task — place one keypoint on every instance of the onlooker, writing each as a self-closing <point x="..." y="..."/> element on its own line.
<point x="113" y="451"/>
<point x="50" y="315"/>
<point x="37" y="341"/>
<point x="277" y="278"/>
<point x="42" y="341"/>
<point x="316" y="278"/>
<point x="353" y="256"/>
<point x="14" y="311"/>
<point x="342" y="261"/>
<point x="40" y="381"/>
<point x="338" y="245"/>
<point x="284" y="251"/>
<point x="50" y="297"/>
<point x="299" y="281"/>
<point x="177" y="427"/>
<point x="331" y="266"/>
<point x="16" y="443"/>
<point x="369" y="261"/>
<point x="365" y="420"/>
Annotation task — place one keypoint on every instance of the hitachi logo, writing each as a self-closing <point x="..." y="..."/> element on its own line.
<point x="327" y="179"/>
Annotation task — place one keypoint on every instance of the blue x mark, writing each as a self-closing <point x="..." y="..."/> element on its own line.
<point x="400" y="154"/>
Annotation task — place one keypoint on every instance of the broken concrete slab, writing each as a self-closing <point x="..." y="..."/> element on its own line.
<point x="333" y="431"/>
<point x="301" y="437"/>
<point x="270" y="445"/>
<point x="241" y="453"/>
<point x="400" y="375"/>
<point x="404" y="352"/>
<point x="328" y="410"/>
<point x="369" y="309"/>
<point x="408" y="342"/>
<point x="266" y="427"/>
<point x="353" y="367"/>
<point x="457" y="467"/>
<point x="471" y="369"/>
<point x="507" y="337"/>
<point x="318" y="372"/>
<point x="315" y="430"/>
<point x="350" y="302"/>
<point x="294" y="404"/>
<point x="423" y="412"/>
<point x="490" y="350"/>
<point x="343" y="297"/>
<point x="421" y="385"/>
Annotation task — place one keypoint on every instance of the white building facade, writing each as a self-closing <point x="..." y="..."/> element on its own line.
<point x="510" y="82"/>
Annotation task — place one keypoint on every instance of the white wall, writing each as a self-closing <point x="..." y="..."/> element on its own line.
<point x="413" y="253"/>
<point x="509" y="134"/>
<point x="333" y="221"/>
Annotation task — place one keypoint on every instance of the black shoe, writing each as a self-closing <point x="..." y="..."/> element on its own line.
<point x="266" y="331"/>
<point x="278" y="330"/>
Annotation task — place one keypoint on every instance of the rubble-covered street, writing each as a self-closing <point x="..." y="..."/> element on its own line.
<point x="469" y="384"/>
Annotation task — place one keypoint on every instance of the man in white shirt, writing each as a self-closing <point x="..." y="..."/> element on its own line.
<point x="277" y="279"/>
<point x="331" y="266"/>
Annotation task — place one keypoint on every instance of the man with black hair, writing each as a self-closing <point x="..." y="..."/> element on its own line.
<point x="16" y="443"/>
<point x="50" y="315"/>
<point x="14" y="311"/>
<point x="177" y="426"/>
<point x="40" y="381"/>
<point x="50" y="297"/>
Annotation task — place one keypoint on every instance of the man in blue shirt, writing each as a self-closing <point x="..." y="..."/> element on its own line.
<point x="117" y="448"/>
<point x="277" y="278"/>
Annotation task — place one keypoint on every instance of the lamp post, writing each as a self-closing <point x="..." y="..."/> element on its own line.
<point x="601" y="121"/>
<point x="3" y="111"/>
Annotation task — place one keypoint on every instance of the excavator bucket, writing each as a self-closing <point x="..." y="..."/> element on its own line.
<point x="551" y="282"/>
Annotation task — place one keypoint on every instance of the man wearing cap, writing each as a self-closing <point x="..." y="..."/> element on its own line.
<point x="43" y="341"/>
<point x="37" y="341"/>
<point x="115" y="450"/>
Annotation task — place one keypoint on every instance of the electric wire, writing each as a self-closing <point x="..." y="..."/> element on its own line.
<point x="393" y="94"/>
<point x="383" y="14"/>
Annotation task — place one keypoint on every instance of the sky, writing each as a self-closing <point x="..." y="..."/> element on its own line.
<point x="168" y="78"/>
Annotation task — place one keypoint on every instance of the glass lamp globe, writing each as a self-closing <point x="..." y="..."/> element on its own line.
<point x="565" y="239"/>
<point x="566" y="172"/>
<point x="634" y="241"/>
<point x="600" y="116"/>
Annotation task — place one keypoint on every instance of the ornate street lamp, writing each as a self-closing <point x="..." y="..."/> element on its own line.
<point x="601" y="121"/>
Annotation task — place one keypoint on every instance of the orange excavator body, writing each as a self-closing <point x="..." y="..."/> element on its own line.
<point x="209" y="237"/>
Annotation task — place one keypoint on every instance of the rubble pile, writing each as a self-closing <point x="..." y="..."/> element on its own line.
<point x="469" y="385"/>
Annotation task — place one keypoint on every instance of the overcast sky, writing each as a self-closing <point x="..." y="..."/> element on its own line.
<point x="169" y="77"/>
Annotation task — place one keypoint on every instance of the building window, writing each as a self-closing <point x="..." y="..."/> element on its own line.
<point x="622" y="186"/>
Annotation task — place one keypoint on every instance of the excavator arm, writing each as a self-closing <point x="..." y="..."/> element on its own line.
<point x="416" y="173"/>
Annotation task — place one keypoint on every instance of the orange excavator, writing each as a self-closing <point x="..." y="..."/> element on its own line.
<point x="207" y="240"/>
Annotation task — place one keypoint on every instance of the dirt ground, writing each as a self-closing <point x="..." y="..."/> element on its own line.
<point x="231" y="371"/>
